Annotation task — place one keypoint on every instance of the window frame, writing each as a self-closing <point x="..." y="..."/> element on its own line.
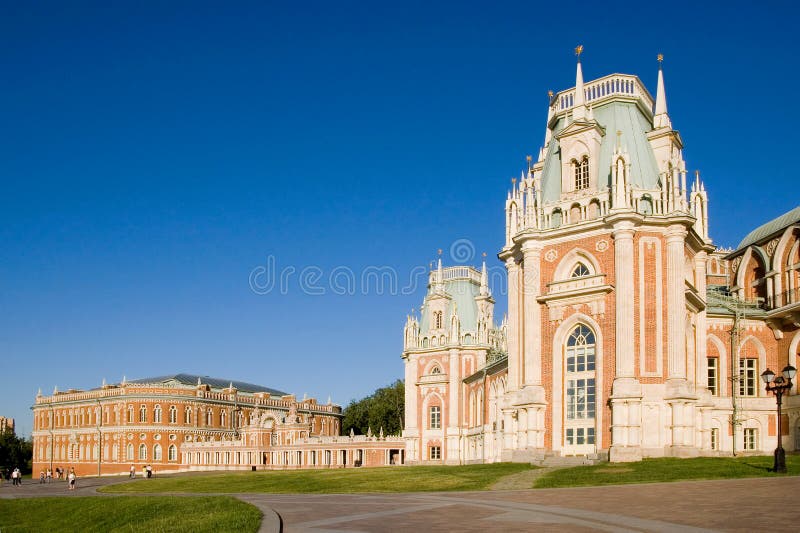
<point x="435" y="417"/>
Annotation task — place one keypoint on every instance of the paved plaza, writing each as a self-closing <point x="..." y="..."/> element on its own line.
<point x="725" y="505"/>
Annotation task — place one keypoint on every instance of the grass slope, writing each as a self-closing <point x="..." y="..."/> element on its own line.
<point x="666" y="469"/>
<point x="128" y="513"/>
<point x="398" y="479"/>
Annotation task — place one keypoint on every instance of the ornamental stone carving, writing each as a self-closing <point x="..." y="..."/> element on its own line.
<point x="551" y="255"/>
<point x="601" y="245"/>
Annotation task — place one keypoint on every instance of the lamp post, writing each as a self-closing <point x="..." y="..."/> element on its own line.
<point x="778" y="386"/>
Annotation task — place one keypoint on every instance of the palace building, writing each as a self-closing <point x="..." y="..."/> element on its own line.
<point x="187" y="422"/>
<point x="628" y="334"/>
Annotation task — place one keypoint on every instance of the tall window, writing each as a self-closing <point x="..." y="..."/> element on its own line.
<point x="143" y="413"/>
<point x="750" y="438"/>
<point x="222" y="418"/>
<point x="157" y="414"/>
<point x="172" y="452"/>
<point x="713" y="376"/>
<point x="437" y="320"/>
<point x="748" y="377"/>
<point x="187" y="415"/>
<point x="142" y="452"/>
<point x="581" y="173"/>
<point x="173" y="414"/>
<point x="714" y="438"/>
<point x="130" y="416"/>
<point x="209" y="417"/>
<point x="156" y="452"/>
<point x="435" y="417"/>
<point x="129" y="452"/>
<point x="579" y="390"/>
<point x="435" y="453"/>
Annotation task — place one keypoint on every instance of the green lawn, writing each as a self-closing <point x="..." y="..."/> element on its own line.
<point x="128" y="513"/>
<point x="666" y="469"/>
<point x="390" y="479"/>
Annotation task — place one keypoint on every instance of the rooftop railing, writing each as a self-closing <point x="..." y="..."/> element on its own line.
<point x="605" y="88"/>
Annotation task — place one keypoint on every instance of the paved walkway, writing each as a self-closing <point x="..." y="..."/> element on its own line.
<point x="724" y="505"/>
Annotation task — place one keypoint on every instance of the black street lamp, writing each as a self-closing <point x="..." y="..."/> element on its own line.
<point x="777" y="386"/>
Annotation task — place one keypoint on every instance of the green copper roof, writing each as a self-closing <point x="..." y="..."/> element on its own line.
<point x="215" y="383"/>
<point x="462" y="293"/>
<point x="624" y="117"/>
<point x="773" y="226"/>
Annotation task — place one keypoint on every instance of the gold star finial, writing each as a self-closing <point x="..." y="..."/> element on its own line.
<point x="579" y="51"/>
<point x="550" y="94"/>
<point x="484" y="255"/>
<point x="660" y="57"/>
<point x="529" y="158"/>
<point x="439" y="251"/>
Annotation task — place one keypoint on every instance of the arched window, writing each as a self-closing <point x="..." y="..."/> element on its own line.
<point x="156" y="452"/>
<point x="580" y="391"/>
<point x="580" y="271"/>
<point x="209" y="417"/>
<point x="467" y="339"/>
<point x="187" y="415"/>
<point x="143" y="413"/>
<point x="173" y="414"/>
<point x="222" y="418"/>
<point x="172" y="452"/>
<point x="437" y="320"/>
<point x="555" y="219"/>
<point x="130" y="414"/>
<point x="436" y="370"/>
<point x="142" y="452"/>
<point x="646" y="205"/>
<point x="129" y="452"/>
<point x="581" y="173"/>
<point x="425" y="342"/>
<point x="157" y="414"/>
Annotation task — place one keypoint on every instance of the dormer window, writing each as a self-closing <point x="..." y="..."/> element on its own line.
<point x="437" y="320"/>
<point x="580" y="271"/>
<point x="436" y="370"/>
<point x="581" y="173"/>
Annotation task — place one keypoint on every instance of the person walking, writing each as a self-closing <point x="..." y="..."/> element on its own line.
<point x="71" y="479"/>
<point x="49" y="475"/>
<point x="16" y="478"/>
<point x="133" y="472"/>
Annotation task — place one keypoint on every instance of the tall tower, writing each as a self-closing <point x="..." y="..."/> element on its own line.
<point x="606" y="275"/>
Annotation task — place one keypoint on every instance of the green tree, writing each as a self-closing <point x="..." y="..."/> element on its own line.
<point x="15" y="452"/>
<point x="382" y="409"/>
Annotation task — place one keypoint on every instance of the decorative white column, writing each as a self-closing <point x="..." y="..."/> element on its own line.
<point x="623" y="279"/>
<point x="531" y="398"/>
<point x="512" y="340"/>
<point x="676" y="303"/>
<point x="626" y="391"/>
<point x="532" y="315"/>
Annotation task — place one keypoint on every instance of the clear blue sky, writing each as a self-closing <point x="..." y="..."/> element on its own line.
<point x="153" y="154"/>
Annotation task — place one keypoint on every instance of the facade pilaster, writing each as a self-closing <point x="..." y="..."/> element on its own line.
<point x="512" y="340"/>
<point x="676" y="303"/>
<point x="626" y="398"/>
<point x="532" y="315"/>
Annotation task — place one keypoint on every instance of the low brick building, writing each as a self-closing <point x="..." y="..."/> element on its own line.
<point x="147" y="421"/>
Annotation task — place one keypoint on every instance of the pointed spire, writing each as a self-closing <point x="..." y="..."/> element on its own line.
<point x="124" y="379"/>
<point x="38" y="394"/>
<point x="55" y="389"/>
<point x="484" y="278"/>
<point x="660" y="117"/>
<point x="439" y="273"/>
<point x="104" y="382"/>
<point x="579" y="105"/>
